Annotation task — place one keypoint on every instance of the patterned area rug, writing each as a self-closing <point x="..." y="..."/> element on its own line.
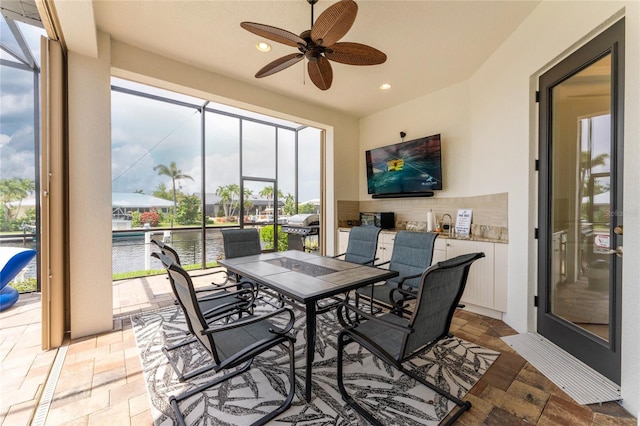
<point x="454" y="364"/>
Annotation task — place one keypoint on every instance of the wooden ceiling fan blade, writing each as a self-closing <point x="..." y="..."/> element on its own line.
<point x="279" y="64"/>
<point x="320" y="72"/>
<point x="355" y="54"/>
<point x="334" y="22"/>
<point x="274" y="33"/>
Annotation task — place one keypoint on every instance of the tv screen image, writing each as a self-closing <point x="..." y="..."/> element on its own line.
<point x="404" y="168"/>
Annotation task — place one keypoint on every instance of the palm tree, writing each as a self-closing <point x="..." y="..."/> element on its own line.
<point x="175" y="174"/>
<point x="267" y="192"/>
<point x="229" y="196"/>
<point x="16" y="189"/>
<point x="289" y="204"/>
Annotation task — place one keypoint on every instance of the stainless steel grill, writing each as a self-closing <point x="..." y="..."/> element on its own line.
<point x="299" y="227"/>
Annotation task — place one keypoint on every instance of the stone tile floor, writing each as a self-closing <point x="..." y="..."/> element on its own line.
<point x="101" y="380"/>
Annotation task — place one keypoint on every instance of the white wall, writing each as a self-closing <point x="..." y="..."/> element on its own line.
<point x="91" y="294"/>
<point x="488" y="126"/>
<point x="445" y="112"/>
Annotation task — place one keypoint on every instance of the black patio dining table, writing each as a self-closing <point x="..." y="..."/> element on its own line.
<point x="306" y="278"/>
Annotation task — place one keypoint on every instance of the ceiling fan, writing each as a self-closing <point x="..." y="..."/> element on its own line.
<point x="319" y="44"/>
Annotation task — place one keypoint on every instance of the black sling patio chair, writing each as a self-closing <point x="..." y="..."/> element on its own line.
<point x="169" y="251"/>
<point x="226" y="285"/>
<point x="220" y="298"/>
<point x="245" y="242"/>
<point x="240" y="242"/>
<point x="411" y="256"/>
<point x="232" y="346"/>
<point x="218" y="302"/>
<point x="362" y="245"/>
<point x="395" y="339"/>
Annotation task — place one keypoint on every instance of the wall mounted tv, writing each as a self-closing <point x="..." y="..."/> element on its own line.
<point x="406" y="169"/>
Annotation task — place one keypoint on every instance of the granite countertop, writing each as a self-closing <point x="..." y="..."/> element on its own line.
<point x="484" y="233"/>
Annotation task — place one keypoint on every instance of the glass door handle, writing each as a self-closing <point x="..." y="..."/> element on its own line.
<point x="617" y="251"/>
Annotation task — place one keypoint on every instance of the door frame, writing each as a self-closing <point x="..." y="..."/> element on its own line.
<point x="603" y="356"/>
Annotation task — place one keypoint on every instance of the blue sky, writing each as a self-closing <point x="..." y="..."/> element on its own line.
<point x="147" y="133"/>
<point x="16" y="107"/>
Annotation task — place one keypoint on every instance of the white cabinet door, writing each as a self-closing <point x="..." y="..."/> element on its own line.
<point x="385" y="247"/>
<point x="500" y="277"/>
<point x="439" y="251"/>
<point x="480" y="283"/>
<point x="343" y="240"/>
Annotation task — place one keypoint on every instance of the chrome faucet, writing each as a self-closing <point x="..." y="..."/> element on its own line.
<point x="450" y="220"/>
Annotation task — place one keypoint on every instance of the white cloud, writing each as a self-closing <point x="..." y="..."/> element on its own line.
<point x="13" y="105"/>
<point x="132" y="169"/>
<point x="4" y="139"/>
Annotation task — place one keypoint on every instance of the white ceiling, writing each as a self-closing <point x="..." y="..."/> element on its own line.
<point x="429" y="44"/>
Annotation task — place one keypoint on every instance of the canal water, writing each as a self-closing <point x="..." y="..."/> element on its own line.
<point x="129" y="251"/>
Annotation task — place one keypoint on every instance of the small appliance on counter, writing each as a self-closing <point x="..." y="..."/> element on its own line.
<point x="384" y="220"/>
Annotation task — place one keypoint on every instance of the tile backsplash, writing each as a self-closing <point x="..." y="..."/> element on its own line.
<point x="490" y="212"/>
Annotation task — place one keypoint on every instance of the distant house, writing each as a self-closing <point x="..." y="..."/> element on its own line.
<point x="258" y="205"/>
<point x="20" y="208"/>
<point x="123" y="204"/>
<point x="315" y="202"/>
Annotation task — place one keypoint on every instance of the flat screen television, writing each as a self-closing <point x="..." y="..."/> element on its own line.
<point x="411" y="168"/>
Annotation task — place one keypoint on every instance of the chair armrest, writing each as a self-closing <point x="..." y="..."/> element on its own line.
<point x="234" y="285"/>
<point x="213" y="316"/>
<point x="368" y="316"/>
<point x="368" y="262"/>
<point x="408" y="277"/>
<point x="249" y="352"/>
<point x="383" y="263"/>
<point x="204" y="274"/>
<point x="253" y="319"/>
<point x="244" y="292"/>
<point x="405" y="296"/>
<point x="338" y="255"/>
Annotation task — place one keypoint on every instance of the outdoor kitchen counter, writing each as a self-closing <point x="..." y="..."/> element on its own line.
<point x="487" y="237"/>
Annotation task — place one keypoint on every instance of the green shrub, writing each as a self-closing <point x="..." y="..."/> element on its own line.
<point x="266" y="235"/>
<point x="26" y="286"/>
<point x="135" y="220"/>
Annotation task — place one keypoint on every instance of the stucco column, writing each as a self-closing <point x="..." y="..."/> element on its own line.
<point x="89" y="100"/>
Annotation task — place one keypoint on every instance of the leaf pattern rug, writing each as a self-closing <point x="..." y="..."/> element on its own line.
<point x="395" y="399"/>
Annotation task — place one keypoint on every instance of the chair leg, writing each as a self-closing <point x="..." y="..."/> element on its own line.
<point x="292" y="389"/>
<point x="175" y="400"/>
<point x="344" y="340"/>
<point x="185" y="376"/>
<point x="463" y="405"/>
<point x="186" y="342"/>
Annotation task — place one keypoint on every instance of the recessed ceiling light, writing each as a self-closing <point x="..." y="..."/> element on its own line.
<point x="263" y="47"/>
<point x="385" y="86"/>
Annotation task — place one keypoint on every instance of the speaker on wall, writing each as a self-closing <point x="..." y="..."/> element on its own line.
<point x="407" y="195"/>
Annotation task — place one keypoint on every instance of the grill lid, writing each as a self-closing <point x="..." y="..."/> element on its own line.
<point x="304" y="220"/>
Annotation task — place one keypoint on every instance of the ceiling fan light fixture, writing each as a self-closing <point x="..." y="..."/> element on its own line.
<point x="263" y="46"/>
<point x="385" y="86"/>
<point x="320" y="44"/>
